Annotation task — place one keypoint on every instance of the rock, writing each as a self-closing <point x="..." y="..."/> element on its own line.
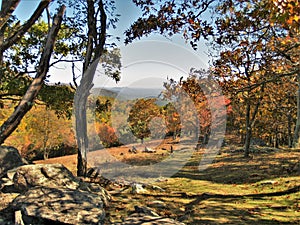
<point x="18" y="218"/>
<point x="49" y="175"/>
<point x="9" y="158"/>
<point x="149" y="150"/>
<point x="54" y="176"/>
<point x="145" y="210"/>
<point x="133" y="150"/>
<point x="11" y="173"/>
<point x="138" y="189"/>
<point x="52" y="195"/>
<point x="157" y="204"/>
<point x="156" y="188"/>
<point x="59" y="205"/>
<point x="7" y="186"/>
<point x="268" y="182"/>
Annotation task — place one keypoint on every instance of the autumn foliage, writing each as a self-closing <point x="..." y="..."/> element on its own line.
<point x="107" y="135"/>
<point x="41" y="134"/>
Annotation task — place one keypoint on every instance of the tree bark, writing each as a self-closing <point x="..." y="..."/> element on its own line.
<point x="7" y="8"/>
<point x="80" y="100"/>
<point x="290" y="136"/>
<point x="250" y="120"/>
<point x="248" y="130"/>
<point x="297" y="127"/>
<point x="95" y="47"/>
<point x="27" y="100"/>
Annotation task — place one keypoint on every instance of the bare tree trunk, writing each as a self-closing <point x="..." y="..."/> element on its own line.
<point x="27" y="100"/>
<point x="250" y="120"/>
<point x="94" y="51"/>
<point x="46" y="134"/>
<point x="290" y="137"/>
<point x="2" y="66"/>
<point x="297" y="127"/>
<point x="276" y="138"/>
<point x="80" y="100"/>
<point x="248" y="130"/>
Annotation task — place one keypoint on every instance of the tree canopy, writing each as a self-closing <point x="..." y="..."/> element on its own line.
<point x="254" y="48"/>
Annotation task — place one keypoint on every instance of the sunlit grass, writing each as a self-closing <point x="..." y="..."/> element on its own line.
<point x="232" y="175"/>
<point x="236" y="189"/>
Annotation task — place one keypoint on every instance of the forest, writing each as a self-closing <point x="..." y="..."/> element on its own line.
<point x="250" y="92"/>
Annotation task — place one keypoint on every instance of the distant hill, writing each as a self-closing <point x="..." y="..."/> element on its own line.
<point x="126" y="93"/>
<point x="103" y="92"/>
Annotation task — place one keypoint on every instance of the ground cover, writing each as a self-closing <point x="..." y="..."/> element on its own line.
<point x="263" y="189"/>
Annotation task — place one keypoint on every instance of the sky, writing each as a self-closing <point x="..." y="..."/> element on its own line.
<point x="147" y="62"/>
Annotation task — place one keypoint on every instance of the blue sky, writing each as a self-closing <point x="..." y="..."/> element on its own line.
<point x="151" y="57"/>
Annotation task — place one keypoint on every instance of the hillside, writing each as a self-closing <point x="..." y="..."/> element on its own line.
<point x="263" y="189"/>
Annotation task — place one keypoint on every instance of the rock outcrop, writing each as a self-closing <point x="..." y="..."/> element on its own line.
<point x="50" y="194"/>
<point x="9" y="159"/>
<point x="60" y="206"/>
<point x="48" y="175"/>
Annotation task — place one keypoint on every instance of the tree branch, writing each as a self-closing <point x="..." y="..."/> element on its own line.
<point x="65" y="60"/>
<point x="74" y="75"/>
<point x="25" y="27"/>
<point x="205" y="6"/>
<point x="102" y="35"/>
<point x="274" y="78"/>
<point x="27" y="101"/>
<point x="257" y="105"/>
<point x="7" y="8"/>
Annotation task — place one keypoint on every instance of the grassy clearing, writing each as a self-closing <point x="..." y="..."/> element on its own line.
<point x="233" y="190"/>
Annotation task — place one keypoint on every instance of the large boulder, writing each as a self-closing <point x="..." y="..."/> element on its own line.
<point x="51" y="193"/>
<point x="55" y="176"/>
<point x="9" y="159"/>
<point x="44" y="205"/>
<point x="48" y="175"/>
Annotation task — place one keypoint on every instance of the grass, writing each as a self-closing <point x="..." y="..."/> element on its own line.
<point x="228" y="181"/>
<point x="232" y="190"/>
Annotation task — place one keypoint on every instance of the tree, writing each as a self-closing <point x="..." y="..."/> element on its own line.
<point x="27" y="100"/>
<point x="22" y="59"/>
<point x="140" y="116"/>
<point x="170" y="18"/>
<point x="248" y="39"/>
<point x="238" y="24"/>
<point x="172" y="119"/>
<point x="7" y="9"/>
<point x="196" y="87"/>
<point x="91" y="19"/>
<point x="278" y="113"/>
<point x="107" y="135"/>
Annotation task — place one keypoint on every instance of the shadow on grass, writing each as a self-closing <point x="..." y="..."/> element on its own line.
<point x="233" y="168"/>
<point x="231" y="215"/>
